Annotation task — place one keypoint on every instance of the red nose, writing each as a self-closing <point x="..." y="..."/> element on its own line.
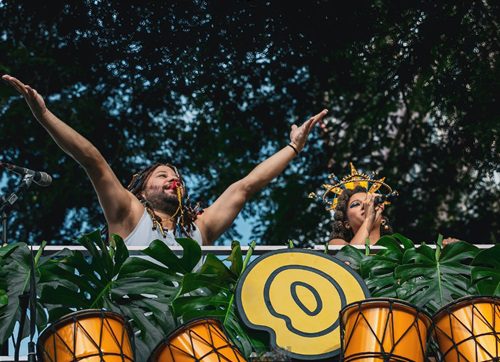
<point x="174" y="185"/>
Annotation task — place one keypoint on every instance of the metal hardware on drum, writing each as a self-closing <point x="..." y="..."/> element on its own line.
<point x="87" y="336"/>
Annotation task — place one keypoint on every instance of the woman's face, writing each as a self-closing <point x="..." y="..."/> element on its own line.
<point x="356" y="211"/>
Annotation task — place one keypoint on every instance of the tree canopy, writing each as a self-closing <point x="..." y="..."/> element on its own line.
<point x="412" y="89"/>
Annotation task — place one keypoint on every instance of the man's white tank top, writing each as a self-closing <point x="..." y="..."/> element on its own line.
<point x="143" y="234"/>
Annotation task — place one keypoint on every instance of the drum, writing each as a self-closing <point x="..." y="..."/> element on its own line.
<point x="88" y="336"/>
<point x="199" y="340"/>
<point x="383" y="330"/>
<point x="469" y="329"/>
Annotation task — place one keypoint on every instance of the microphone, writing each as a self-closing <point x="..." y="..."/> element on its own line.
<point x="383" y="198"/>
<point x="40" y="178"/>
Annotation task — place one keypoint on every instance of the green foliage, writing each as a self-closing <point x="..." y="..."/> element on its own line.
<point x="411" y="85"/>
<point x="156" y="290"/>
<point x="132" y="286"/>
<point x="432" y="279"/>
<point x="4" y="298"/>
<point x="209" y="292"/>
<point x="427" y="277"/>
<point x="15" y="273"/>
<point x="159" y="291"/>
<point x="486" y="271"/>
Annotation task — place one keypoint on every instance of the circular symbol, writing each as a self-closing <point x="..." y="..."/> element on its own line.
<point x="296" y="295"/>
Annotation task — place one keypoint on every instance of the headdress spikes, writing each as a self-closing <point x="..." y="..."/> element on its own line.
<point x="350" y="182"/>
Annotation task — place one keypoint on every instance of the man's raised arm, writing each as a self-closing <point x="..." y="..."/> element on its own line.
<point x="117" y="203"/>
<point x="220" y="215"/>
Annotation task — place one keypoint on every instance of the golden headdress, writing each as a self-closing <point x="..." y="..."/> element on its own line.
<point x="350" y="182"/>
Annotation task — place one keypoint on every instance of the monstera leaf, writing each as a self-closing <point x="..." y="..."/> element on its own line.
<point x="377" y="270"/>
<point x="426" y="277"/>
<point x="4" y="253"/>
<point x="157" y="290"/>
<point x="209" y="292"/>
<point x="486" y="271"/>
<point x="353" y="257"/>
<point x="15" y="277"/>
<point x="10" y="291"/>
<point x="431" y="278"/>
<point x="381" y="279"/>
<point x="138" y="287"/>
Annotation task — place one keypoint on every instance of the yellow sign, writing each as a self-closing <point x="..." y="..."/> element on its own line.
<point x="296" y="295"/>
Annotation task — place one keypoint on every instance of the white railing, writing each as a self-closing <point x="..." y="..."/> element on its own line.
<point x="226" y="250"/>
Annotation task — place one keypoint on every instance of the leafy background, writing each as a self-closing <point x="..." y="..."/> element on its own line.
<point x="426" y="277"/>
<point x="412" y="88"/>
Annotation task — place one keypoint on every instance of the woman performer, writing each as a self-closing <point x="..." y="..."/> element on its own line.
<point x="359" y="205"/>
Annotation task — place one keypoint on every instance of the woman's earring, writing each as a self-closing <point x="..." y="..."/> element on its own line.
<point x="384" y="224"/>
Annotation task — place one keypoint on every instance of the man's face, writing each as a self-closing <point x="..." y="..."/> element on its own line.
<point x="161" y="191"/>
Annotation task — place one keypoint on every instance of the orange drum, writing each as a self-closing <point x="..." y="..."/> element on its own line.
<point x="381" y="329"/>
<point x="469" y="329"/>
<point x="88" y="336"/>
<point x="201" y="340"/>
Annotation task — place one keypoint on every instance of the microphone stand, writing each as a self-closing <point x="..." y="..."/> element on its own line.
<point x="27" y="300"/>
<point x="4" y="226"/>
<point x="7" y="202"/>
<point x="32" y="307"/>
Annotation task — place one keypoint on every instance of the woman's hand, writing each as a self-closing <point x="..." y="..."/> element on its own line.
<point x="372" y="212"/>
<point x="34" y="100"/>
<point x="298" y="135"/>
<point x="449" y="241"/>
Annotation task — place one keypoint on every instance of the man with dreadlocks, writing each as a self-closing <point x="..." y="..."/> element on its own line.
<point x="156" y="204"/>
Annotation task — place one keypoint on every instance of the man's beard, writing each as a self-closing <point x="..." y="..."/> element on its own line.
<point x="161" y="201"/>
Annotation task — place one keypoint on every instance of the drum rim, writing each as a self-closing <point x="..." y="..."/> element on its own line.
<point x="67" y="317"/>
<point x="186" y="325"/>
<point x="461" y="302"/>
<point x="419" y="310"/>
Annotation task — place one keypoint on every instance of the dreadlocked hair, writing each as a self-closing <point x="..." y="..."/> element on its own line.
<point x="339" y="231"/>
<point x="184" y="217"/>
